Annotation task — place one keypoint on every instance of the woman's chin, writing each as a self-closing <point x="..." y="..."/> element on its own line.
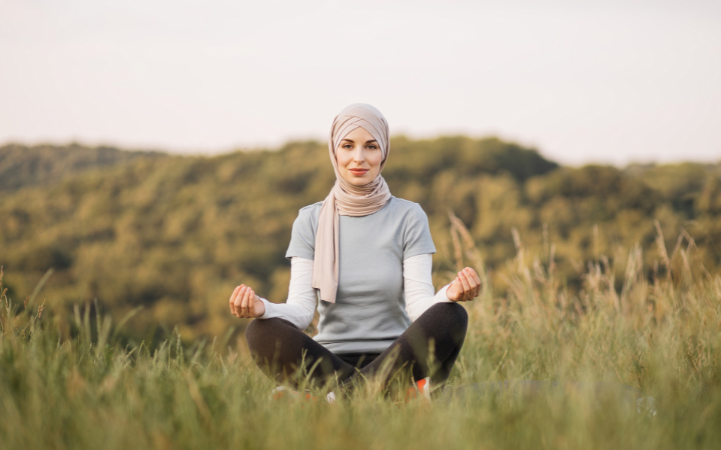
<point x="358" y="181"/>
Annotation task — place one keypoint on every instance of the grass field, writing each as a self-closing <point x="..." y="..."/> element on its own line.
<point x="70" y="384"/>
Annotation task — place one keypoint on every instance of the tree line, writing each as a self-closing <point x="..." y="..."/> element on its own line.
<point x="175" y="234"/>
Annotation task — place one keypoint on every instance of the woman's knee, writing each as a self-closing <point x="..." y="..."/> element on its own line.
<point x="460" y="314"/>
<point x="451" y="317"/>
<point x="260" y="332"/>
<point x="255" y="327"/>
<point x="453" y="312"/>
<point x="254" y="333"/>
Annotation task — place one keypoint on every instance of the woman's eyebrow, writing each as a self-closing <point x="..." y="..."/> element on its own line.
<point x="371" y="141"/>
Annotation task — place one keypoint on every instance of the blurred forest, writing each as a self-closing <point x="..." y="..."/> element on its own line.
<point x="22" y="166"/>
<point x="175" y="234"/>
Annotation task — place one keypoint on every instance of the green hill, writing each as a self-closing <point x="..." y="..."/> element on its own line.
<point x="176" y="234"/>
<point x="22" y="166"/>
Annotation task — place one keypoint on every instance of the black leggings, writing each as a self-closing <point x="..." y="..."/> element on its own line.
<point x="429" y="347"/>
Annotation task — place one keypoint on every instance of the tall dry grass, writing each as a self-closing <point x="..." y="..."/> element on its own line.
<point x="69" y="383"/>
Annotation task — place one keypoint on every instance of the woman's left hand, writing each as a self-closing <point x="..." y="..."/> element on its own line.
<point x="465" y="287"/>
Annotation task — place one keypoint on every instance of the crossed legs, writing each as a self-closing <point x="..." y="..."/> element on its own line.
<point x="429" y="347"/>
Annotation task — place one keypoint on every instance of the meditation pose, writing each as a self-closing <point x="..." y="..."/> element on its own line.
<point x="364" y="258"/>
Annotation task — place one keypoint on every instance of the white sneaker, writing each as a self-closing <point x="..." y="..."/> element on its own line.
<point x="330" y="398"/>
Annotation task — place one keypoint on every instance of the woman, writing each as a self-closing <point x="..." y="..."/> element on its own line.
<point x="365" y="257"/>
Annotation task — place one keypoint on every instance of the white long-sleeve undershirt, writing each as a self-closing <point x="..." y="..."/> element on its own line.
<point x="302" y="299"/>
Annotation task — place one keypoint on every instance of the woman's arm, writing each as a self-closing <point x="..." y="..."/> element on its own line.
<point x="301" y="303"/>
<point x="418" y="285"/>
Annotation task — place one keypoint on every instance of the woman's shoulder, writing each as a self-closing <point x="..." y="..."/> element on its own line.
<point x="308" y="215"/>
<point x="310" y="208"/>
<point x="407" y="208"/>
<point x="403" y="203"/>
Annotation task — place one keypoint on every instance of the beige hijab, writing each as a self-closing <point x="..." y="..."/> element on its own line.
<point x="346" y="199"/>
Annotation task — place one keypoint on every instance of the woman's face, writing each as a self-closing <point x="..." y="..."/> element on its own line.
<point x="359" y="157"/>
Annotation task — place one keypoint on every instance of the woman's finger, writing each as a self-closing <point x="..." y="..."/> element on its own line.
<point x="471" y="286"/>
<point x="452" y="291"/>
<point x="232" y="299"/>
<point x="478" y="281"/>
<point x="250" y="296"/>
<point x="474" y="281"/>
<point x="464" y="282"/>
<point x="230" y="302"/>
<point x="244" y="303"/>
<point x="466" y="286"/>
<point x="471" y="294"/>
<point x="251" y="304"/>
<point x="239" y="300"/>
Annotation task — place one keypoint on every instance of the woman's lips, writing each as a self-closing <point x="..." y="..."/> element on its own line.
<point x="358" y="171"/>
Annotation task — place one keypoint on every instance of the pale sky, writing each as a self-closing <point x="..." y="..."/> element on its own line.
<point x="610" y="81"/>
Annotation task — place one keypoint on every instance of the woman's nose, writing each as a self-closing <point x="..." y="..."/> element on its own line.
<point x="358" y="155"/>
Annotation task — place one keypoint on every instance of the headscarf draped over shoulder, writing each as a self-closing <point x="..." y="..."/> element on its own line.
<point x="346" y="199"/>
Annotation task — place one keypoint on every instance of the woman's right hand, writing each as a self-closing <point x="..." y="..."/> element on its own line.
<point x="465" y="287"/>
<point x="245" y="304"/>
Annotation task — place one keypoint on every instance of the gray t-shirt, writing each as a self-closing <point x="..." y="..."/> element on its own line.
<point x="369" y="312"/>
